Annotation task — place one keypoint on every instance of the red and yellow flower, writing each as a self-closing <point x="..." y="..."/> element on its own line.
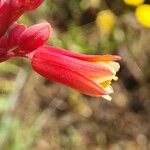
<point x="90" y="74"/>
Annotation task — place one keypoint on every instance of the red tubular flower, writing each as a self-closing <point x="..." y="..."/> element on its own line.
<point x="90" y="74"/>
<point x="11" y="10"/>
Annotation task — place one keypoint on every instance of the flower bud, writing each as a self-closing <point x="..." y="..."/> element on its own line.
<point x="34" y="37"/>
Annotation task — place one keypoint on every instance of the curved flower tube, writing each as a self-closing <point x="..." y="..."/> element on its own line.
<point x="90" y="74"/>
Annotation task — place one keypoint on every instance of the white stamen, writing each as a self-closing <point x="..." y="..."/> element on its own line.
<point x="107" y="97"/>
<point x="115" y="78"/>
<point x="115" y="65"/>
<point x="109" y="89"/>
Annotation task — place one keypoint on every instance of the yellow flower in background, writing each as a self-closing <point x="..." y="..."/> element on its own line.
<point x="105" y="21"/>
<point x="134" y="2"/>
<point x="142" y="14"/>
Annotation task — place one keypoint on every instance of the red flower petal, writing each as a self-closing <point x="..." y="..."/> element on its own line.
<point x="74" y="79"/>
<point x="90" y="69"/>
<point x="92" y="58"/>
<point x="14" y="34"/>
<point x="29" y="4"/>
<point x="4" y="42"/>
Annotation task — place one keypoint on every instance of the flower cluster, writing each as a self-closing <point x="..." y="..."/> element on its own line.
<point x="90" y="74"/>
<point x="142" y="12"/>
<point x="20" y="40"/>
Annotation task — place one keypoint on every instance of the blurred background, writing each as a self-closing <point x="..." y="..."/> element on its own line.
<point x="37" y="114"/>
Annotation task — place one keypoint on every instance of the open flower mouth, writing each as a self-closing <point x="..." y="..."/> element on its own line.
<point x="105" y="83"/>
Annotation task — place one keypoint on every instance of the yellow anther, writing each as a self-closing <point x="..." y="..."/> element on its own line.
<point x="106" y="83"/>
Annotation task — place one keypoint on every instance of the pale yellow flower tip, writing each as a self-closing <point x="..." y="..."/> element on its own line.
<point x="134" y="2"/>
<point x="107" y="97"/>
<point x="142" y="14"/>
<point x="105" y="20"/>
